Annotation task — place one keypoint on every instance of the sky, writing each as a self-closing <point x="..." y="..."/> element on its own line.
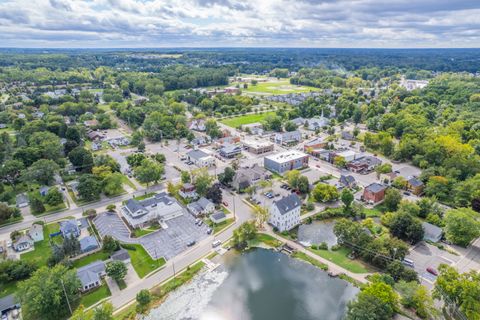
<point x="240" y="23"/>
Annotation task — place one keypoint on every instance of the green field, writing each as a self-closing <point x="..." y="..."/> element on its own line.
<point x="236" y="122"/>
<point x="141" y="260"/>
<point x="96" y="295"/>
<point x="340" y="258"/>
<point x="100" y="255"/>
<point x="277" y="87"/>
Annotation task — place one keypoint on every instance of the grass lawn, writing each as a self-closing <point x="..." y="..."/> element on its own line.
<point x="8" y="288"/>
<point x="142" y="232"/>
<point x="94" y="296"/>
<point x="236" y="122"/>
<point x="376" y="211"/>
<point x="340" y="257"/>
<point x="305" y="257"/>
<point x="141" y="260"/>
<point x="145" y="196"/>
<point x="52" y="209"/>
<point x="266" y="239"/>
<point x="100" y="255"/>
<point x="278" y="87"/>
<point x="217" y="227"/>
<point x="128" y="182"/>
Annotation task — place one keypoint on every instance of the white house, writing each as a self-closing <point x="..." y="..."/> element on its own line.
<point x="201" y="158"/>
<point x="202" y="206"/>
<point x="91" y="275"/>
<point x="285" y="213"/>
<point x="36" y="232"/>
<point x="23" y="243"/>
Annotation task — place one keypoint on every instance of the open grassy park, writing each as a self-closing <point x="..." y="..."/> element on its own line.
<point x="282" y="86"/>
<point x="236" y="122"/>
<point x="340" y="258"/>
<point x="141" y="260"/>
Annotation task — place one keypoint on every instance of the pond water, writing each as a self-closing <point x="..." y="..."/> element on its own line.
<point x="317" y="232"/>
<point x="259" y="285"/>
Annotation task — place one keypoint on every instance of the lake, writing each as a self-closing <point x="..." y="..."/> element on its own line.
<point x="259" y="285"/>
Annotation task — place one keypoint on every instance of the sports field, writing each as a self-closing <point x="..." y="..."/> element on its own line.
<point x="277" y="87"/>
<point x="236" y="122"/>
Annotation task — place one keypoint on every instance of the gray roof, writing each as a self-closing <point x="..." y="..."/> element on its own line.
<point x="346" y="180"/>
<point x="415" y="182"/>
<point x="69" y="226"/>
<point x="288" y="203"/>
<point x="91" y="272"/>
<point x="21" y="198"/>
<point x="231" y="148"/>
<point x="88" y="243"/>
<point x="8" y="302"/>
<point x="197" y="154"/>
<point x="134" y="205"/>
<point x="431" y="231"/>
<point x="218" y="215"/>
<point x="375" y="187"/>
<point x="291" y="135"/>
<point x="120" y="255"/>
<point x="23" y="239"/>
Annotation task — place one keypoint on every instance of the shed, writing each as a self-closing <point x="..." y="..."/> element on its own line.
<point x="432" y="232"/>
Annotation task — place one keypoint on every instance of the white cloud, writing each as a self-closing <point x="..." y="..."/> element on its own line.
<point x="282" y="23"/>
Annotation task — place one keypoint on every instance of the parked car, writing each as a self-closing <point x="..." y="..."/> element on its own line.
<point x="9" y="243"/>
<point x="408" y="263"/>
<point x="432" y="271"/>
<point x="225" y="203"/>
<point x="406" y="193"/>
<point x="216" y="243"/>
<point x="191" y="243"/>
<point x="209" y="231"/>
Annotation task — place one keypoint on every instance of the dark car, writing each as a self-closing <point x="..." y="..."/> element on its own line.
<point x="191" y="243"/>
<point x="406" y="193"/>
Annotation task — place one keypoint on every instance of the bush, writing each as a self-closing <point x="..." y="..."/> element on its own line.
<point x="335" y="247"/>
<point x="323" y="246"/>
<point x="111" y="208"/>
<point x="128" y="246"/>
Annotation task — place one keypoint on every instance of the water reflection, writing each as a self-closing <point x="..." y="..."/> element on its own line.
<point x="317" y="232"/>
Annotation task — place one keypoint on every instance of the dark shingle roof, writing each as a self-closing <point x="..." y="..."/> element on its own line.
<point x="288" y="203"/>
<point x="375" y="187"/>
<point x="120" y="255"/>
<point x="414" y="182"/>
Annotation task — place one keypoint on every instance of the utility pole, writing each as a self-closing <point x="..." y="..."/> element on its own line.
<point x="65" y="292"/>
<point x="173" y="266"/>
<point x="234" y="214"/>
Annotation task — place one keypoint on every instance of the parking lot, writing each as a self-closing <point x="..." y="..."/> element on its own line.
<point x="425" y="256"/>
<point x="165" y="243"/>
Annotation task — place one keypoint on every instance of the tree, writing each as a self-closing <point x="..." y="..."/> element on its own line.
<point x="110" y="245"/>
<point x="41" y="171"/>
<point x="202" y="181"/>
<point x="143" y="299"/>
<point x="214" y="193"/>
<point x="324" y="192"/>
<point x="117" y="270"/>
<point x="82" y="314"/>
<point x="36" y="205"/>
<point x="10" y="172"/>
<point x="111" y="208"/>
<point x="44" y="295"/>
<point x="212" y="129"/>
<point x="303" y="185"/>
<point x="460" y="288"/>
<point x="7" y="212"/>
<point x="406" y="227"/>
<point x="392" y="199"/>
<point x="368" y="307"/>
<point x="89" y="188"/>
<point x="398" y="271"/>
<point x="241" y="235"/>
<point x="261" y="215"/>
<point x="417" y="297"/>
<point x="185" y="176"/>
<point x="149" y="171"/>
<point x="290" y="126"/>
<point x="71" y="246"/>
<point x="347" y="197"/>
<point x="461" y="226"/>
<point x="137" y="138"/>
<point x="383" y="168"/>
<point x="135" y="159"/>
<point x="226" y="177"/>
<point x="103" y="312"/>
<point x="113" y="184"/>
<point x="82" y="159"/>
<point x="384" y="292"/>
<point x="14" y="270"/>
<point x="53" y="197"/>
<point x="292" y="178"/>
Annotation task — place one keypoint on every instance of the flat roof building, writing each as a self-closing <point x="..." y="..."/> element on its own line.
<point x="286" y="161"/>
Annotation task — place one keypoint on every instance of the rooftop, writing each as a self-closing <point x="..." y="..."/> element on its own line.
<point x="286" y="156"/>
<point x="288" y="203"/>
<point x="375" y="187"/>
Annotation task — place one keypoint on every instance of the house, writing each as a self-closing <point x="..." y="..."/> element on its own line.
<point x="38" y="114"/>
<point x="91" y="123"/>
<point x="245" y="177"/>
<point x="347" y="181"/>
<point x="287" y="138"/>
<point x="286" y="161"/>
<point x="36" y="232"/>
<point x="200" y="141"/>
<point x="317" y="143"/>
<point x="94" y="135"/>
<point x="364" y="164"/>
<point x="231" y="90"/>
<point x="218" y="217"/>
<point x="8" y="303"/>
<point x="299" y="122"/>
<point x="258" y="147"/>
<point x="69" y="228"/>
<point x="118" y="141"/>
<point x="431" y="232"/>
<point x="91" y="275"/>
<point x="74" y="185"/>
<point x="160" y="207"/>
<point x="315" y="124"/>
<point x="255" y="128"/>
<point x="96" y="146"/>
<point x="187" y="191"/>
<point x="285" y="213"/>
<point x="22" y="243"/>
<point x="197" y="125"/>
<point x="200" y="158"/>
<point x="121" y="255"/>
<point x="347" y="136"/>
<point x="202" y="206"/>
<point x="374" y="193"/>
<point x="43" y="190"/>
<point x="230" y="151"/>
<point x="22" y="200"/>
<point x="88" y="244"/>
<point x="415" y="186"/>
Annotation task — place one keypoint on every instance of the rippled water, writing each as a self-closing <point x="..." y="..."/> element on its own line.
<point x="259" y="285"/>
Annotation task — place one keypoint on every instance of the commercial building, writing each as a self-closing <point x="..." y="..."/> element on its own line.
<point x="286" y="161"/>
<point x="258" y="147"/>
<point x="246" y="177"/>
<point x="287" y="138"/>
<point x="230" y="151"/>
<point x="201" y="158"/>
<point x="364" y="164"/>
<point x="285" y="213"/>
<point x="160" y="207"/>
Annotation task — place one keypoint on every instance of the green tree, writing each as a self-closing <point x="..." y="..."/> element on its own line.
<point x="53" y="197"/>
<point x="10" y="172"/>
<point x="185" y="176"/>
<point x="44" y="295"/>
<point x="113" y="184"/>
<point x="347" y="197"/>
<point x="149" y="171"/>
<point x="82" y="159"/>
<point x="41" y="171"/>
<point x="392" y="199"/>
<point x="417" y="297"/>
<point x="117" y="270"/>
<point x="202" y="181"/>
<point x="71" y="246"/>
<point x="247" y="231"/>
<point x="406" y="227"/>
<point x="292" y="178"/>
<point x="303" y="185"/>
<point x="143" y="299"/>
<point x="261" y="215"/>
<point x="103" y="312"/>
<point x="226" y="177"/>
<point x="36" y="205"/>
<point x="110" y="245"/>
<point x="290" y="126"/>
<point x="462" y="226"/>
<point x="324" y="192"/>
<point x="82" y="314"/>
<point x="214" y="193"/>
<point x="368" y="307"/>
<point x="89" y="187"/>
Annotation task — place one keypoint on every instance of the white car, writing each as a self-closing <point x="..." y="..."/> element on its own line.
<point x="216" y="243"/>
<point x="9" y="243"/>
